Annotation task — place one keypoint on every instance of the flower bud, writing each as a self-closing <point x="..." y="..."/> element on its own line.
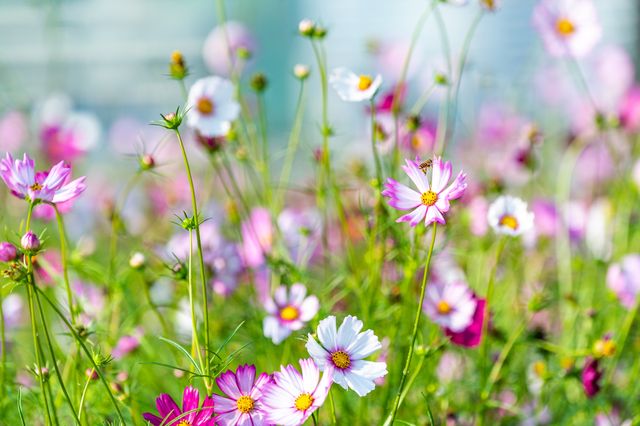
<point x="258" y="82"/>
<point x="211" y="143"/>
<point x="177" y="66"/>
<point x="137" y="260"/>
<point x="243" y="53"/>
<point x="30" y="242"/>
<point x="306" y="27"/>
<point x="301" y="71"/>
<point x="147" y="162"/>
<point x="8" y="252"/>
<point x="319" y="32"/>
<point x="91" y="374"/>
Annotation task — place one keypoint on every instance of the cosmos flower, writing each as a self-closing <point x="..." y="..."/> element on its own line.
<point x="591" y="375"/>
<point x="471" y="336"/>
<point x="257" y="237"/>
<point x="288" y="311"/>
<point x="623" y="279"/>
<point x="450" y="305"/>
<point x="344" y="351"/>
<point x="127" y="344"/>
<point x="567" y="27"/>
<point x="509" y="216"/>
<point x="292" y="397"/>
<point x="433" y="198"/>
<point x="212" y="106"/>
<point x="421" y="141"/>
<point x="8" y="252"/>
<point x="490" y="5"/>
<point x="228" y="39"/>
<point x="242" y="404"/>
<point x="354" y="88"/>
<point x="301" y="229"/>
<point x="51" y="186"/>
<point x="191" y="414"/>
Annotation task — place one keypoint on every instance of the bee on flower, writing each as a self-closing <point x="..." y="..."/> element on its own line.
<point x="352" y="87"/>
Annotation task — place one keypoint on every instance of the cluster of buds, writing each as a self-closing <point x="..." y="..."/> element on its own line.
<point x="310" y="29"/>
<point x="177" y="67"/>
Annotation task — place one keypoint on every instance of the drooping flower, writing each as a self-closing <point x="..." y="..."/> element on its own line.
<point x="257" y="237"/>
<point x="291" y="397"/>
<point x="51" y="186"/>
<point x="354" y="88"/>
<point x="471" y="336"/>
<point x="433" y="198"/>
<point x="191" y="414"/>
<point x="344" y="350"/>
<point x="509" y="216"/>
<point x="450" y="305"/>
<point x="591" y="375"/>
<point x="242" y="404"/>
<point x="289" y="310"/>
<point x="623" y="279"/>
<point x="212" y="106"/>
<point x="567" y="27"/>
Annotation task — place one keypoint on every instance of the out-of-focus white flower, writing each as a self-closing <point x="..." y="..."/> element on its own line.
<point x="212" y="106"/>
<point x="509" y="216"/>
<point x="354" y="88"/>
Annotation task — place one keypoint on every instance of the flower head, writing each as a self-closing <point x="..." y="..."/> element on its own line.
<point x="226" y="46"/>
<point x="471" y="336"/>
<point x="191" y="414"/>
<point x="288" y="311"/>
<point x="450" y="305"/>
<point x="567" y="27"/>
<point x="212" y="106"/>
<point x="591" y="375"/>
<point x="291" y="397"/>
<point x="354" y="88"/>
<point x="509" y="216"/>
<point x="433" y="198"/>
<point x="343" y="350"/>
<point x="242" y="404"/>
<point x="51" y="186"/>
<point x="8" y="252"/>
<point x="623" y="279"/>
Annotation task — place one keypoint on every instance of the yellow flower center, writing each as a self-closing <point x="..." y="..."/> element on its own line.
<point x="289" y="313"/>
<point x="443" y="307"/>
<point x="245" y="404"/>
<point x="341" y="359"/>
<point x="204" y="106"/>
<point x="565" y="27"/>
<point x="303" y="402"/>
<point x="364" y="82"/>
<point x="489" y="4"/>
<point x="604" y="348"/>
<point x="429" y="198"/>
<point x="184" y="423"/>
<point x="416" y="141"/>
<point x="509" y="221"/>
<point x="36" y="187"/>
<point x="540" y="368"/>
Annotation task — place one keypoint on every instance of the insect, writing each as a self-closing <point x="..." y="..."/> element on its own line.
<point x="425" y="165"/>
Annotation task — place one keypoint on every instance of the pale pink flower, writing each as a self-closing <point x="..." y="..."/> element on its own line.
<point x="450" y="305"/>
<point x="623" y="279"/>
<point x="289" y="310"/>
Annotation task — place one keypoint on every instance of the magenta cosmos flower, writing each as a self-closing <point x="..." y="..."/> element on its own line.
<point x="291" y="397"/>
<point x="289" y="310"/>
<point x="433" y="198"/>
<point x="567" y="27"/>
<point x="191" y="414"/>
<point x="242" y="405"/>
<point x="51" y="186"/>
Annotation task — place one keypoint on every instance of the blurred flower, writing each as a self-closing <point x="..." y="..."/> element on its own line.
<point x="13" y="309"/>
<point x="433" y="199"/>
<point x="490" y="5"/>
<point x="13" y="131"/>
<point x="8" y="252"/>
<point x="229" y="39"/>
<point x="567" y="27"/>
<point x="450" y="305"/>
<point x="177" y="67"/>
<point x="291" y="397"/>
<point x="599" y="229"/>
<point x="611" y="419"/>
<point x="257" y="237"/>
<point x="91" y="298"/>
<point x="623" y="279"/>
<point x="211" y="106"/>
<point x="194" y="415"/>
<point x="301" y="230"/>
<point x="30" y="242"/>
<point x="137" y="260"/>
<point x="242" y="404"/>
<point x="450" y="367"/>
<point x="545" y="217"/>
<point x="354" y="88"/>
<point x="630" y="110"/>
<point x="50" y="186"/>
<point x="127" y="344"/>
<point x="301" y="71"/>
<point x="288" y="311"/>
<point x="471" y="336"/>
<point x="509" y="216"/>
<point x="604" y="347"/>
<point x="591" y="375"/>
<point x="306" y="27"/>
<point x="344" y="350"/>
<point x="421" y="141"/>
<point x="478" y="210"/>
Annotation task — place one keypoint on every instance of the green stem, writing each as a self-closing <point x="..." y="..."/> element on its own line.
<point x="63" y="260"/>
<point x="414" y="333"/>
<point x="84" y="393"/>
<point x="266" y="169"/>
<point x="497" y="367"/>
<point x="333" y="408"/>
<point x="3" y="343"/>
<point x="622" y="340"/>
<point x="195" y="340"/>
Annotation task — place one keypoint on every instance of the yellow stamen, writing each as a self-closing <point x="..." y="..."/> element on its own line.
<point x="489" y="4"/>
<point x="540" y="368"/>
<point x="341" y="359"/>
<point x="429" y="198"/>
<point x="205" y="106"/>
<point x="443" y="307"/>
<point x="303" y="402"/>
<point x="36" y="187"/>
<point x="364" y="82"/>
<point x="245" y="404"/>
<point x="184" y="423"/>
<point x="565" y="27"/>
<point x="509" y="221"/>
<point x="289" y="313"/>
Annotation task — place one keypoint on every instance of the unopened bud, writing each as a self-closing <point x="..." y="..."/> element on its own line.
<point x="301" y="71"/>
<point x="8" y="252"/>
<point x="306" y="27"/>
<point x="30" y="242"/>
<point x="258" y="82"/>
<point x="177" y="67"/>
<point x="137" y="260"/>
<point x="147" y="162"/>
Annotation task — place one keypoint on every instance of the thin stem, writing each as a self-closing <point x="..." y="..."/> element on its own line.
<point x="414" y="333"/>
<point x="266" y="170"/>
<point x="195" y="340"/>
<point x="622" y="340"/>
<point x="333" y="408"/>
<point x="84" y="393"/>
<point x="3" y="343"/>
<point x="497" y="367"/>
<point x="63" y="260"/>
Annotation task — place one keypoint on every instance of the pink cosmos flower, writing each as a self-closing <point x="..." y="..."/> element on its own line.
<point x="257" y="237"/>
<point x="567" y="27"/>
<point x="127" y="344"/>
<point x="13" y="131"/>
<point x="242" y="404"/>
<point x="422" y="141"/>
<point x="191" y="414"/>
<point x="630" y="110"/>
<point x="288" y="311"/>
<point x="292" y="397"/>
<point x="450" y="305"/>
<point x="591" y="375"/>
<point x="8" y="252"/>
<point x="433" y="199"/>
<point x="50" y="186"/>
<point x="471" y="336"/>
<point x="624" y="279"/>
<point x="215" y="51"/>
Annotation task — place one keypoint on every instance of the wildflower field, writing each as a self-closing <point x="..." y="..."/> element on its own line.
<point x="464" y="260"/>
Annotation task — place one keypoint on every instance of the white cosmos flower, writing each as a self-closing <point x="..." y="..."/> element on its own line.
<point x="509" y="216"/>
<point x="354" y="88"/>
<point x="212" y="106"/>
<point x="344" y="350"/>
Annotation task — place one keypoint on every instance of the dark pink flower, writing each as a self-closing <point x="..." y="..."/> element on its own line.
<point x="591" y="375"/>
<point x="630" y="110"/>
<point x="242" y="405"/>
<point x="471" y="336"/>
<point x="8" y="252"/>
<point x="191" y="414"/>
